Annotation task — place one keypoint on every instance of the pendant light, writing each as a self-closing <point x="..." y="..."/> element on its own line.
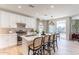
<point x="51" y="22"/>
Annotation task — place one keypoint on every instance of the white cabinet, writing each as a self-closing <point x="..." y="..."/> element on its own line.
<point x="30" y="23"/>
<point x="7" y="40"/>
<point x="23" y="19"/>
<point x="9" y="20"/>
<point x="13" y="20"/>
<point x="18" y="18"/>
<point x="12" y="39"/>
<point x="5" y="18"/>
<point x="0" y="19"/>
<point x="4" y="41"/>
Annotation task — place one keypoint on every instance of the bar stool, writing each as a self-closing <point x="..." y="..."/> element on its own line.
<point x="46" y="44"/>
<point x="36" y="47"/>
<point x="53" y="41"/>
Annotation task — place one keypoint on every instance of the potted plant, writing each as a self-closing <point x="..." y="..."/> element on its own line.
<point x="43" y="33"/>
<point x="36" y="31"/>
<point x="76" y="25"/>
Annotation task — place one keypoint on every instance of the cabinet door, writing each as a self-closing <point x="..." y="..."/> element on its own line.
<point x="12" y="39"/>
<point x="27" y="22"/>
<point x="30" y="23"/>
<point x="13" y="21"/>
<point x="5" y="18"/>
<point x="4" y="42"/>
<point x="23" y="19"/>
<point x="8" y="20"/>
<point x="18" y="18"/>
<point x="0" y="18"/>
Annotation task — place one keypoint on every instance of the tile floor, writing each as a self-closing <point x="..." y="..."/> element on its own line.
<point x="65" y="47"/>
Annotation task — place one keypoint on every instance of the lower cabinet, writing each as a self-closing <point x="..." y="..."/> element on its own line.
<point x="7" y="40"/>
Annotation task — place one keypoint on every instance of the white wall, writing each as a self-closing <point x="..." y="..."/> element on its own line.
<point x="68" y="28"/>
<point x="9" y="20"/>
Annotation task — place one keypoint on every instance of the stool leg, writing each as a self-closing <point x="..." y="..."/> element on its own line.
<point x="43" y="49"/>
<point x="33" y="52"/>
<point x="54" y="46"/>
<point x="28" y="51"/>
<point x="48" y="48"/>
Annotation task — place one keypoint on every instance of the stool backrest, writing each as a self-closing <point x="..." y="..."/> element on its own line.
<point x="37" y="42"/>
<point x="53" y="37"/>
<point x="46" y="38"/>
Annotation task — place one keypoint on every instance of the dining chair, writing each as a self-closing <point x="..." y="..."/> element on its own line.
<point x="36" y="47"/>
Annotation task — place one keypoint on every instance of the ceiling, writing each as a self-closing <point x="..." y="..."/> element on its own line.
<point x="43" y="11"/>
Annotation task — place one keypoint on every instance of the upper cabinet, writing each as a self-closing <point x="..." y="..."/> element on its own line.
<point x="5" y="19"/>
<point x="22" y="19"/>
<point x="17" y="18"/>
<point x="13" y="21"/>
<point x="9" y="20"/>
<point x="30" y="23"/>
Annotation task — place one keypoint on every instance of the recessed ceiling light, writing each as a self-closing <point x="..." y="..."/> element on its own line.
<point x="19" y="6"/>
<point x="45" y="15"/>
<point x="52" y="6"/>
<point x="32" y="6"/>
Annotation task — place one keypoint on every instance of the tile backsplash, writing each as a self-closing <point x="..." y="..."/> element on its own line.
<point x="13" y="30"/>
